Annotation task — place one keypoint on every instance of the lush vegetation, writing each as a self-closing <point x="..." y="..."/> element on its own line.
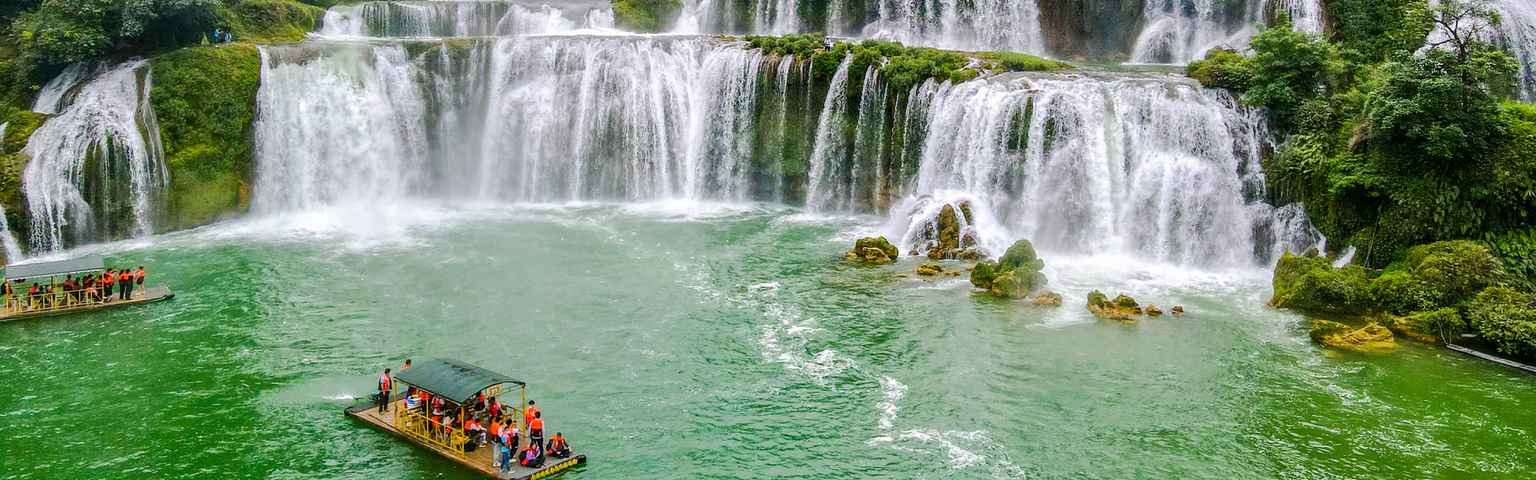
<point x="901" y="66"/>
<point x="646" y="15"/>
<point x="1387" y="144"/>
<point x="205" y="100"/>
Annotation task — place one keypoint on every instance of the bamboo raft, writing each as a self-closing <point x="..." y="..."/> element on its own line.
<point x="458" y="382"/>
<point x="149" y="295"/>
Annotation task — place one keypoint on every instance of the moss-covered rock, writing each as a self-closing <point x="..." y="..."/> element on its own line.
<point x="1505" y="318"/>
<point x="1371" y="338"/>
<point x="1122" y="308"/>
<point x="1430" y="326"/>
<point x="1153" y="311"/>
<point x="1310" y="283"/>
<point x="646" y="16"/>
<point x="1016" y="275"/>
<point x="873" y="251"/>
<point x="930" y="269"/>
<point x="1047" y="299"/>
<point x="205" y="99"/>
<point x="270" y="21"/>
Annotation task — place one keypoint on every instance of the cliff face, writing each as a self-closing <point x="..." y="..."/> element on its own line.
<point x="1091" y="29"/>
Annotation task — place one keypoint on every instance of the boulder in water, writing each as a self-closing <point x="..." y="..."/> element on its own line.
<point x="873" y="251"/>
<point x="1310" y="283"/>
<point x="971" y="254"/>
<point x="1122" y="308"/>
<point x="1153" y="311"/>
<point x="1047" y="299"/>
<point x="929" y="269"/>
<point x="1177" y="310"/>
<point x="1015" y="275"/>
<point x="1370" y="338"/>
<point x="946" y="232"/>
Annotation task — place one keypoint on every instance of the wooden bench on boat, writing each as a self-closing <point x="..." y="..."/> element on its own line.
<point x="461" y="383"/>
<point x="55" y="301"/>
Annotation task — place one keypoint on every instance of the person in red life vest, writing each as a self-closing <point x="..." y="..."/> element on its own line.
<point x="495" y="409"/>
<point x="386" y="385"/>
<point x="107" y="279"/>
<point x="138" y="277"/>
<point x="529" y="413"/>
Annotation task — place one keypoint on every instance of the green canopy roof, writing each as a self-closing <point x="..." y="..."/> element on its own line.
<point x="48" y="269"/>
<point x="453" y="379"/>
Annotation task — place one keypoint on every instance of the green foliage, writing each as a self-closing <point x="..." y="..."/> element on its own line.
<point x="269" y="21"/>
<point x="1288" y="69"/>
<point x="1311" y="284"/>
<point x="1019" y="62"/>
<point x="983" y="275"/>
<point x="1015" y="275"/>
<point x="1125" y="301"/>
<point x="1021" y="255"/>
<point x="59" y="32"/>
<point x="1369" y="31"/>
<point x="1506" y="318"/>
<point x="1516" y="251"/>
<point x="1097" y="299"/>
<point x="205" y="99"/>
<point x="1444" y="322"/>
<point x="1223" y="68"/>
<point x="646" y="15"/>
<point x="1436" y="113"/>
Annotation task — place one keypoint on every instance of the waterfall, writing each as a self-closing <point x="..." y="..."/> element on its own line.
<point x="1517" y="33"/>
<point x="826" y="189"/>
<point x="1306" y="15"/>
<point x="525" y="119"/>
<point x="7" y="240"/>
<point x="97" y="170"/>
<point x="1012" y="25"/>
<point x="1178" y="31"/>
<point x="1150" y="166"/>
<point x="455" y="18"/>
<point x="51" y="98"/>
<point x="867" y="171"/>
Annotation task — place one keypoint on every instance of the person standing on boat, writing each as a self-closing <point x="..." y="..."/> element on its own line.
<point x="138" y="277"/>
<point x="536" y="429"/>
<point x="386" y="385"/>
<point x="529" y="413"/>
<point x="107" y="279"/>
<point x="126" y="280"/>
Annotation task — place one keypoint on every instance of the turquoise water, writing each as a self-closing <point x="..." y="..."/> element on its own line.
<point x="687" y="341"/>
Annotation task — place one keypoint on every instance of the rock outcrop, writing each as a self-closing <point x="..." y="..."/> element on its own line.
<point x="1122" y="308"/>
<point x="1370" y="338"/>
<point x="872" y="251"/>
<point x="946" y="237"/>
<point x="1153" y="311"/>
<point x="930" y="269"/>
<point x="1016" y="275"/>
<point x="1047" y="299"/>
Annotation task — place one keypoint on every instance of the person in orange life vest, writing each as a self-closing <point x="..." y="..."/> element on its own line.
<point x="107" y="279"/>
<point x="138" y="277"/>
<point x="386" y="385"/>
<point x="536" y="429"/>
<point x="125" y="279"/>
<point x="557" y="447"/>
<point x="495" y="409"/>
<point x="528" y="413"/>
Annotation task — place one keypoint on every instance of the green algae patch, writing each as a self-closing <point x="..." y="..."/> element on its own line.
<point x="205" y="99"/>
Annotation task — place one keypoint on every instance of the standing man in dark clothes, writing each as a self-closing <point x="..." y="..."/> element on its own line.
<point x="386" y="385"/>
<point x="126" y="280"/>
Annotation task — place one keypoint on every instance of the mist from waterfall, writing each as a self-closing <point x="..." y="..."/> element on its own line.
<point x="96" y="170"/>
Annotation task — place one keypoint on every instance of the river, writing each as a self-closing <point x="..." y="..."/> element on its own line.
<point x="698" y="340"/>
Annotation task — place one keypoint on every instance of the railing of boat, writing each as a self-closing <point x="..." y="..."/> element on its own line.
<point x="421" y="427"/>
<point x="50" y="302"/>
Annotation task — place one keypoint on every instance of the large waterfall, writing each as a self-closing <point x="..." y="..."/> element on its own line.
<point x="967" y="25"/>
<point x="1146" y="165"/>
<point x="97" y="170"/>
<point x="458" y="18"/>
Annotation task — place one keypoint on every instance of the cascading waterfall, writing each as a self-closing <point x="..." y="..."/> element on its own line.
<point x="1517" y="32"/>
<point x="1306" y="15"/>
<point x="1149" y="166"/>
<point x="97" y="170"/>
<point x="966" y="25"/>
<point x="51" y="98"/>
<point x="827" y="190"/>
<point x="1178" y="31"/>
<point x="456" y="18"/>
<point x="7" y="240"/>
<point x="517" y="119"/>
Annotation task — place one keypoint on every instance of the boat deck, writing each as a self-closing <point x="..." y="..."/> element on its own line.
<point x="478" y="460"/>
<point x="149" y="295"/>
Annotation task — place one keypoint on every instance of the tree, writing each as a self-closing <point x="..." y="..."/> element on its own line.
<point x="1288" y="69"/>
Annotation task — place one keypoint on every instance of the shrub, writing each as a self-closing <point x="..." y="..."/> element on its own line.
<point x="270" y="20"/>
<point x="1223" y="68"/>
<point x="1516" y="252"/>
<point x="205" y="99"/>
<point x="646" y="15"/>
<point x="1311" y="284"/>
<point x="1506" y="318"/>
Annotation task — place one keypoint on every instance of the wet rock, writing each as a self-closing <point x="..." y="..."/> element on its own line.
<point x="872" y="251"/>
<point x="1370" y="338"/>
<point x="946" y="227"/>
<point x="1047" y="298"/>
<point x="1153" y="311"/>
<point x="929" y="269"/>
<point x="1177" y="310"/>
<point x="1122" y="308"/>
<point x="1015" y="275"/>
<point x="972" y="254"/>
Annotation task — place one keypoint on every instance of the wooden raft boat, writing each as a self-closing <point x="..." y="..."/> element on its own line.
<point x="20" y="306"/>
<point x="462" y="382"/>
